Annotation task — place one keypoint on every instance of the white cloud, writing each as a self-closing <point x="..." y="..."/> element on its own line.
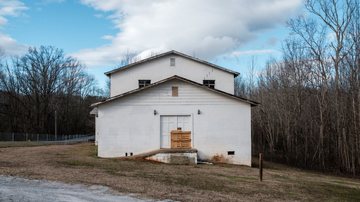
<point x="206" y="28"/>
<point x="253" y="52"/>
<point x="10" y="46"/>
<point x="11" y="8"/>
<point x="107" y="37"/>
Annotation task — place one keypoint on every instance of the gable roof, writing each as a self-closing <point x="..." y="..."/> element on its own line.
<point x="241" y="99"/>
<point x="173" y="52"/>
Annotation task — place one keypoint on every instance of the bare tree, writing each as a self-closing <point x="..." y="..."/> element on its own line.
<point x="42" y="81"/>
<point x="310" y="112"/>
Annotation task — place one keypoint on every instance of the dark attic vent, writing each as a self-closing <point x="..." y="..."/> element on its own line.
<point x="172" y="62"/>
<point x="231" y="152"/>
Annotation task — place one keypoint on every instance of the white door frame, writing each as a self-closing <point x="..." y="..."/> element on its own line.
<point x="178" y="114"/>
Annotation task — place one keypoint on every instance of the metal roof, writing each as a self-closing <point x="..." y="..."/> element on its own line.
<point x="251" y="102"/>
<point x="169" y="53"/>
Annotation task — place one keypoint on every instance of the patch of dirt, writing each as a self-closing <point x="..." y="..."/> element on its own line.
<point x="8" y="164"/>
<point x="219" y="159"/>
<point x="78" y="164"/>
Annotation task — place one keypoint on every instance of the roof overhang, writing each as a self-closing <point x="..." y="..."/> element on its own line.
<point x="94" y="111"/>
<point x="173" y="52"/>
<point x="241" y="99"/>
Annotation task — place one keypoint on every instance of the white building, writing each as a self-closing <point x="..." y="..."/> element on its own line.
<point x="152" y="97"/>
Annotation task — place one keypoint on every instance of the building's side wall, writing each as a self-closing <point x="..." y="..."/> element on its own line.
<point x="129" y="124"/>
<point x="96" y="130"/>
<point x="160" y="69"/>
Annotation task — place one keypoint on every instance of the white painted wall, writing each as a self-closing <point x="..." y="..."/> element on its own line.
<point x="129" y="124"/>
<point x="159" y="69"/>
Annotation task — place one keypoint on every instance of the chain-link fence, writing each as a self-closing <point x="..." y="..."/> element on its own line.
<point x="44" y="137"/>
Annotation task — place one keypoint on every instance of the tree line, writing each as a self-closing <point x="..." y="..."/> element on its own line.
<point x="43" y="85"/>
<point x="310" y="99"/>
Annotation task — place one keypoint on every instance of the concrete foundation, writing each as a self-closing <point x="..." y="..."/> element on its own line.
<point x="185" y="158"/>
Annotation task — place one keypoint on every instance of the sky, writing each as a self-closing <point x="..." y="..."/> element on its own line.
<point x="229" y="33"/>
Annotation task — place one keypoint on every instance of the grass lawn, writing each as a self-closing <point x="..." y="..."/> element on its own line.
<point x="79" y="164"/>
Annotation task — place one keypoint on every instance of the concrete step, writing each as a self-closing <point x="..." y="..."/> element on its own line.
<point x="172" y="156"/>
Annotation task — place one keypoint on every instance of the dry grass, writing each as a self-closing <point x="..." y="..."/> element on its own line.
<point x="21" y="144"/>
<point x="79" y="164"/>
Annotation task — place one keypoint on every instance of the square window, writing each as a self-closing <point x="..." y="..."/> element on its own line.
<point x="209" y="83"/>
<point x="143" y="83"/>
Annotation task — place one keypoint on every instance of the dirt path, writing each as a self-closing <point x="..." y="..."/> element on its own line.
<point x="20" y="189"/>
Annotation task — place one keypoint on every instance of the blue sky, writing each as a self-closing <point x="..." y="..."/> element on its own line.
<point x="99" y="33"/>
<point x="68" y="25"/>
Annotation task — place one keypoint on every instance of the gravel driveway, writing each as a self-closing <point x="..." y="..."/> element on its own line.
<point x="19" y="189"/>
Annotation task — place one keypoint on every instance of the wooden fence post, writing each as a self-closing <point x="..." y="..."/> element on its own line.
<point x="260" y="166"/>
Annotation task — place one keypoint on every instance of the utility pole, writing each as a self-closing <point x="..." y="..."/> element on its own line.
<point x="55" y="125"/>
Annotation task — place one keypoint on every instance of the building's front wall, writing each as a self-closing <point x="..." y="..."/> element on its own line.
<point x="159" y="69"/>
<point x="128" y="125"/>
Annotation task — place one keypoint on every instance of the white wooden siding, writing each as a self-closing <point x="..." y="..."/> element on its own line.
<point x="159" y="69"/>
<point x="188" y="95"/>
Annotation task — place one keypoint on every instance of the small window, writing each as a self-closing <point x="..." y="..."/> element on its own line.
<point x="175" y="91"/>
<point x="231" y="152"/>
<point x="209" y="83"/>
<point x="172" y="62"/>
<point x="143" y="83"/>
